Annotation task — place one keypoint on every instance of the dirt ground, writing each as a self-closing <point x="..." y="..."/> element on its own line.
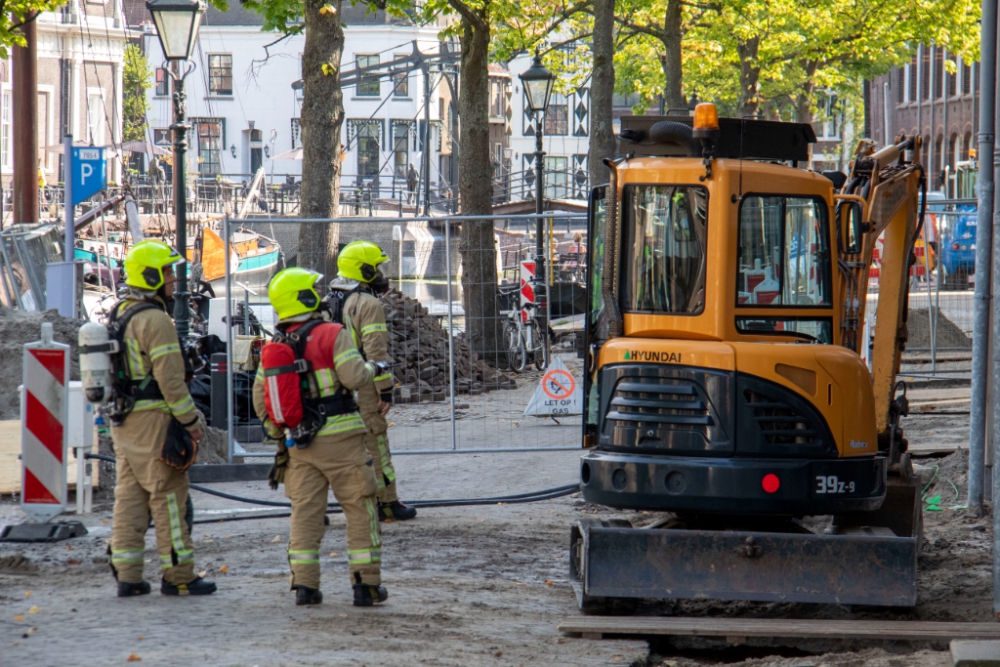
<point x="468" y="586"/>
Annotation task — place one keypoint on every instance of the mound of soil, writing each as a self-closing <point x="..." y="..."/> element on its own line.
<point x="948" y="333"/>
<point x="18" y="327"/>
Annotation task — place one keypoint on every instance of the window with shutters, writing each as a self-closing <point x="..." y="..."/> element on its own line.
<point x="401" y="77"/>
<point x="209" y="146"/>
<point x="911" y="84"/>
<point x="368" y="83"/>
<point x="162" y="83"/>
<point x="966" y="78"/>
<point x="938" y="74"/>
<point x="6" y="131"/>
<point x="925" y="75"/>
<point x="557" y="115"/>
<point x="220" y="74"/>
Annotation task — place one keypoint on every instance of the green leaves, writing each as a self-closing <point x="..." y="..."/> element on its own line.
<point x="137" y="77"/>
<point x="782" y="53"/>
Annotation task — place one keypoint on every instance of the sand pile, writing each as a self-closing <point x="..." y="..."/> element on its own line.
<point x="18" y="327"/>
<point x="949" y="335"/>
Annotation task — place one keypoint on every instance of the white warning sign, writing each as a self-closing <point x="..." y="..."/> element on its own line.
<point x="557" y="394"/>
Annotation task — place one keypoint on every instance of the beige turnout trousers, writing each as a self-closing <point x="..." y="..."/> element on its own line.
<point x="147" y="486"/>
<point x="341" y="463"/>
<point x="377" y="443"/>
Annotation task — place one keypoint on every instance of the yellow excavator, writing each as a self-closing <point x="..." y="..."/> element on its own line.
<point x="726" y="380"/>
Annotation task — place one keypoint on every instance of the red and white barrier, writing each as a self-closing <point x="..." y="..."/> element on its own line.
<point x="527" y="287"/>
<point x="44" y="415"/>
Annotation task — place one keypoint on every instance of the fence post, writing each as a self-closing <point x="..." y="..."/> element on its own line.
<point x="230" y="430"/>
<point x="931" y="320"/>
<point x="984" y="246"/>
<point x="451" y="331"/>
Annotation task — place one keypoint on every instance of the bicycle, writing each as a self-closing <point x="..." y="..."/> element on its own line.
<point x="522" y="336"/>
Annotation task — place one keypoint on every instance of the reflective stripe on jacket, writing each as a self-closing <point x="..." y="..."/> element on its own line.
<point x="151" y="347"/>
<point x="365" y="316"/>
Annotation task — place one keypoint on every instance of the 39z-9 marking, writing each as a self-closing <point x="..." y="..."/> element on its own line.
<point x="830" y="484"/>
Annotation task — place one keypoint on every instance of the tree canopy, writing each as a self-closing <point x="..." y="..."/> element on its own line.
<point x="771" y="56"/>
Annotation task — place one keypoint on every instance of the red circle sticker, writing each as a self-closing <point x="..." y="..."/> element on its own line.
<point x="558" y="384"/>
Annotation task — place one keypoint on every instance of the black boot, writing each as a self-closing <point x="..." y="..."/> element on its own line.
<point x="395" y="511"/>
<point x="365" y="595"/>
<point x="305" y="595"/>
<point x="196" y="587"/>
<point x="127" y="590"/>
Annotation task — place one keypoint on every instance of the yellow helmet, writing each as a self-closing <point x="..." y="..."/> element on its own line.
<point x="292" y="292"/>
<point x="359" y="260"/>
<point x="145" y="262"/>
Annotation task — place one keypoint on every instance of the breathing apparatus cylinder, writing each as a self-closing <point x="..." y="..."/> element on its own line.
<point x="95" y="361"/>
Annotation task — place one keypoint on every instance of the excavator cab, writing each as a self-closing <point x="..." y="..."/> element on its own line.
<point x="723" y="379"/>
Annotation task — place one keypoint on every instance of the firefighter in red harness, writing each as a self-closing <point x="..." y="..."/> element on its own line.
<point x="332" y="453"/>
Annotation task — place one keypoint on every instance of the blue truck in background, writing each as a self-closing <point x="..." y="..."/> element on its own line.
<point x="955" y="226"/>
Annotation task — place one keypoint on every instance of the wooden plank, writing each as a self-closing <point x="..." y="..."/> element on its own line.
<point x="10" y="462"/>
<point x="926" y="448"/>
<point x="773" y="627"/>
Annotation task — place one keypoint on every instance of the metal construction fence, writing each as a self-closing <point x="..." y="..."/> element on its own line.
<point x="941" y="300"/>
<point x="455" y="390"/>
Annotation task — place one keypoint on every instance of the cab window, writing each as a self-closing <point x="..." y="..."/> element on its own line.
<point x="783" y="254"/>
<point x="664" y="253"/>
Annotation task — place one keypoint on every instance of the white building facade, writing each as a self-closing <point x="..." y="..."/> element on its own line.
<point x="79" y="82"/>
<point x="244" y="111"/>
<point x="566" y="138"/>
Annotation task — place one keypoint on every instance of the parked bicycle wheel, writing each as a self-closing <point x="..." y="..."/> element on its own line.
<point x="513" y="344"/>
<point x="539" y="348"/>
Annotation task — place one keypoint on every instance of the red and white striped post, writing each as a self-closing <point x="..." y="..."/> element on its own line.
<point x="44" y="416"/>
<point x="527" y="287"/>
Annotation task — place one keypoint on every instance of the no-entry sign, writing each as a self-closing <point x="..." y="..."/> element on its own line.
<point x="557" y="394"/>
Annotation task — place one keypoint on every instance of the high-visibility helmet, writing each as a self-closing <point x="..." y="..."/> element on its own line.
<point x="359" y="261"/>
<point x="145" y="262"/>
<point x="292" y="292"/>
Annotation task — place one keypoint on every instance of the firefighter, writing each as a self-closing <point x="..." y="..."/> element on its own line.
<point x="335" y="458"/>
<point x="363" y="283"/>
<point x="155" y="431"/>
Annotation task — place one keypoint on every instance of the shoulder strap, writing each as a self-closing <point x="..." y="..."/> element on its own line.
<point x="338" y="302"/>
<point x="119" y="320"/>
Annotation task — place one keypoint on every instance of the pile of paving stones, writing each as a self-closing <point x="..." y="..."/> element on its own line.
<point x="418" y="346"/>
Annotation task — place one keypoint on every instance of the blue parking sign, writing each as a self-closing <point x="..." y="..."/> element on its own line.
<point x="90" y="174"/>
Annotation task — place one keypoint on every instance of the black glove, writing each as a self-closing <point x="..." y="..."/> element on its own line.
<point x="386" y="396"/>
<point x="276" y="475"/>
<point x="179" y="448"/>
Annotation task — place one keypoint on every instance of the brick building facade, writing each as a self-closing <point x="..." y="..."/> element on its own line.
<point x="943" y="105"/>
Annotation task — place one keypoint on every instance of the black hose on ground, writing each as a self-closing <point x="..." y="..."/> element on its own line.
<point x="514" y="499"/>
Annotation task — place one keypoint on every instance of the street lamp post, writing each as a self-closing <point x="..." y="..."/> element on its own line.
<point x="177" y="23"/>
<point x="537" y="82"/>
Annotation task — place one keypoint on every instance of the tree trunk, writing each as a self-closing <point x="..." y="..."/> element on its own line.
<point x="673" y="72"/>
<point x="804" y="100"/>
<point x="322" y="117"/>
<point x="475" y="181"/>
<point x="602" y="88"/>
<point x="749" y="101"/>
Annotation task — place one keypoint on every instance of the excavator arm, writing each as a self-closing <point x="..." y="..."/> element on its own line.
<point x="884" y="190"/>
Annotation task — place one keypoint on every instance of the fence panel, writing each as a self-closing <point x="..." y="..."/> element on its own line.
<point x="454" y="390"/>
<point x="940" y="314"/>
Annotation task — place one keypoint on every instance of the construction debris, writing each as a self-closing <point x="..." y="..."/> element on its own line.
<point x="418" y="346"/>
